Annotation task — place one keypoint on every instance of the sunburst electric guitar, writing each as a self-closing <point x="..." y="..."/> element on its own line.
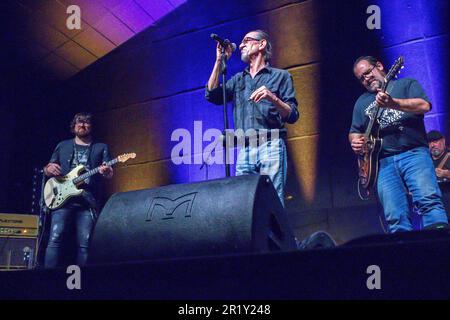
<point x="368" y="160"/>
<point x="58" y="190"/>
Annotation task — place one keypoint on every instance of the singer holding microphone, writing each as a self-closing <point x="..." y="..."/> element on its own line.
<point x="263" y="101"/>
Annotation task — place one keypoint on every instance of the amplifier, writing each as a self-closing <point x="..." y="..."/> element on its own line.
<point x="23" y="225"/>
<point x="18" y="241"/>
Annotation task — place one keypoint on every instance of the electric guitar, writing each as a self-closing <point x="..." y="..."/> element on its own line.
<point x="368" y="160"/>
<point x="441" y="165"/>
<point x="58" y="190"/>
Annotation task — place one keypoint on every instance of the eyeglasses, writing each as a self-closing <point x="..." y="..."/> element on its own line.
<point x="366" y="74"/>
<point x="80" y="121"/>
<point x="247" y="39"/>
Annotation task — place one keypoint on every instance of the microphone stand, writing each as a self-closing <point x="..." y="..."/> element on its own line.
<point x="43" y="213"/>
<point x="225" y="112"/>
<point x="221" y="138"/>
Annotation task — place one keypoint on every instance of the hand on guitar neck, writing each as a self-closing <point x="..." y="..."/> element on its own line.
<point x="384" y="100"/>
<point x="413" y="105"/>
<point x="105" y="170"/>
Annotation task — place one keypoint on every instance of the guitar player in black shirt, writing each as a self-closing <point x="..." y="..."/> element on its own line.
<point x="405" y="165"/>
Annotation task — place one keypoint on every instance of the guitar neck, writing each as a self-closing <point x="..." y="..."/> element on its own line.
<point x="94" y="171"/>
<point x="443" y="161"/>
<point x="376" y="113"/>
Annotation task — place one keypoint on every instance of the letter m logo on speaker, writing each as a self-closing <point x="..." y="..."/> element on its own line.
<point x="167" y="208"/>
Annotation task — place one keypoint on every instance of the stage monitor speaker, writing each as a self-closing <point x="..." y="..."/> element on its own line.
<point x="224" y="216"/>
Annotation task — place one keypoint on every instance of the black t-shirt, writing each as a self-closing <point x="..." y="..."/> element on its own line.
<point x="401" y="131"/>
<point x="80" y="156"/>
<point x="437" y="161"/>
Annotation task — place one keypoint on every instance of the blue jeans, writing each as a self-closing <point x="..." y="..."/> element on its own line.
<point x="269" y="158"/>
<point x="62" y="219"/>
<point x="410" y="173"/>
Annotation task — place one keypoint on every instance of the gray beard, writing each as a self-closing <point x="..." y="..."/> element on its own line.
<point x="375" y="86"/>
<point x="245" y="57"/>
<point x="436" y="153"/>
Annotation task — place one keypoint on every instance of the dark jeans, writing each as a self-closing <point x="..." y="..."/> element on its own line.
<point x="62" y="220"/>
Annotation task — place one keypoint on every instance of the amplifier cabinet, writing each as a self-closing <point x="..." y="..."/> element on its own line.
<point x="18" y="241"/>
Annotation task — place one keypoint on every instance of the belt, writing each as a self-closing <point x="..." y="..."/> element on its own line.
<point x="255" y="140"/>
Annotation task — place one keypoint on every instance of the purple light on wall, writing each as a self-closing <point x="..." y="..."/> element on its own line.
<point x="132" y="14"/>
<point x="194" y="109"/>
<point x="419" y="30"/>
<point x="139" y="14"/>
<point x="160" y="8"/>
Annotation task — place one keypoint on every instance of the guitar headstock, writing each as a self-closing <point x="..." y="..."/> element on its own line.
<point x="126" y="156"/>
<point x="395" y="69"/>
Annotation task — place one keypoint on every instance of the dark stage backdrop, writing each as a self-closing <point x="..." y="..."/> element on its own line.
<point x="154" y="83"/>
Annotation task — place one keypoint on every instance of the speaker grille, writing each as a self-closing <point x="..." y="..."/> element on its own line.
<point x="17" y="253"/>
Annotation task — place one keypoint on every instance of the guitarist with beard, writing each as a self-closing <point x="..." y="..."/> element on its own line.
<point x="79" y="210"/>
<point x="441" y="160"/>
<point x="405" y="165"/>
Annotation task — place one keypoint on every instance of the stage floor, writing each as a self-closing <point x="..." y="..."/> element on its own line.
<point x="412" y="266"/>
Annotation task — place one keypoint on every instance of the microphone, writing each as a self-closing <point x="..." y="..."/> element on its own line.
<point x="224" y="43"/>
